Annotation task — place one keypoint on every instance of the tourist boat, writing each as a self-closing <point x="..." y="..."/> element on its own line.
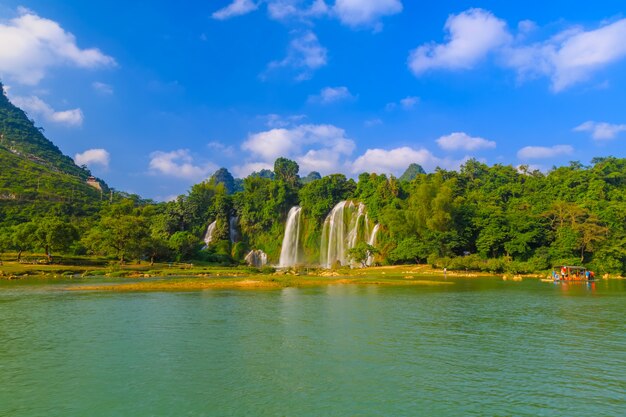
<point x="572" y="273"/>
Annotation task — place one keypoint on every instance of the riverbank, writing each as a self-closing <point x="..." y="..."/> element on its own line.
<point x="190" y="276"/>
<point x="93" y="267"/>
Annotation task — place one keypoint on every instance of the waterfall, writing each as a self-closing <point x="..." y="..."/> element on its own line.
<point x="256" y="258"/>
<point x="208" y="237"/>
<point x="346" y="225"/>
<point x="290" y="251"/>
<point x="232" y="229"/>
<point x="372" y="242"/>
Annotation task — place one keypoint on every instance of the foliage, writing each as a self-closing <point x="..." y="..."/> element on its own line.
<point x="361" y="252"/>
<point x="493" y="218"/>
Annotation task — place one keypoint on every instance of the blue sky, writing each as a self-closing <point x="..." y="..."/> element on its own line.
<point x="154" y="96"/>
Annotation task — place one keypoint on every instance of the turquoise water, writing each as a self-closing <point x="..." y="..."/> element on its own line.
<point x="480" y="347"/>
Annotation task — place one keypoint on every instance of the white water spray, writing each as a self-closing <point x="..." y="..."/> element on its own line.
<point x="208" y="237"/>
<point x="345" y="226"/>
<point x="256" y="258"/>
<point x="290" y="251"/>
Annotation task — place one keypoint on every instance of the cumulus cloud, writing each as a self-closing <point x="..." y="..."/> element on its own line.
<point x="330" y="95"/>
<point x="544" y="152"/>
<point x="92" y="157"/>
<point x="179" y="164"/>
<point x="365" y="13"/>
<point x="472" y="35"/>
<point x="571" y="56"/>
<point x="39" y="108"/>
<point x="601" y="130"/>
<point x="460" y="140"/>
<point x="102" y="88"/>
<point x="30" y="45"/>
<point x="395" y="161"/>
<point x="304" y="55"/>
<point x="567" y="58"/>
<point x="236" y="8"/>
<point x="308" y="144"/>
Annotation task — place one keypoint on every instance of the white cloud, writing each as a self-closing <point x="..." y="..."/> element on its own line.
<point x="571" y="56"/>
<point x="222" y="149"/>
<point x="236" y="8"/>
<point x="472" y="35"/>
<point x="292" y="9"/>
<point x="544" y="152"/>
<point x="406" y="103"/>
<point x="93" y="157"/>
<point x="244" y="170"/>
<point x="304" y="55"/>
<point x="353" y="13"/>
<point x="30" y="45"/>
<point x="37" y="107"/>
<point x="395" y="161"/>
<point x="567" y="58"/>
<point x="276" y="120"/>
<point x="601" y="130"/>
<point x="373" y="122"/>
<point x="306" y="144"/>
<point x="365" y="13"/>
<point x="409" y="102"/>
<point x="179" y="164"/>
<point x="102" y="88"/>
<point x="330" y="95"/>
<point x="460" y="140"/>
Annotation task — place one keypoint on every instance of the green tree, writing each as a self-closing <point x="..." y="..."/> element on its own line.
<point x="23" y="238"/>
<point x="286" y="170"/>
<point x="411" y="249"/>
<point x="361" y="252"/>
<point x="120" y="232"/>
<point x="56" y="234"/>
<point x="184" y="244"/>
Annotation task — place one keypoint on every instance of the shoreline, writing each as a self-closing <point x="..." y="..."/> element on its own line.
<point x="198" y="277"/>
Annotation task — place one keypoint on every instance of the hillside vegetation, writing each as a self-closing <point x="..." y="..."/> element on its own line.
<point x="489" y="218"/>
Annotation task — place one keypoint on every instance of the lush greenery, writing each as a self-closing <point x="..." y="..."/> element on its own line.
<point x="491" y="218"/>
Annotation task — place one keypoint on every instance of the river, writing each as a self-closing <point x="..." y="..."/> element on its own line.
<point x="478" y="347"/>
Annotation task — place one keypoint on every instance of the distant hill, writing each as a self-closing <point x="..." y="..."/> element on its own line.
<point x="412" y="172"/>
<point x="35" y="174"/>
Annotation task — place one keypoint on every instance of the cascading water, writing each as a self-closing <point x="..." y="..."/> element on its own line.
<point x="290" y="251"/>
<point x="345" y="226"/>
<point x="256" y="258"/>
<point x="372" y="242"/>
<point x="208" y="237"/>
<point x="232" y="229"/>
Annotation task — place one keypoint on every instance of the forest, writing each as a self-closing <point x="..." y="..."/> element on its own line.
<point x="479" y="217"/>
<point x="488" y="218"/>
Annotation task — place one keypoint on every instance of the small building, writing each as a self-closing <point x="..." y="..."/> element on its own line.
<point x="93" y="182"/>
